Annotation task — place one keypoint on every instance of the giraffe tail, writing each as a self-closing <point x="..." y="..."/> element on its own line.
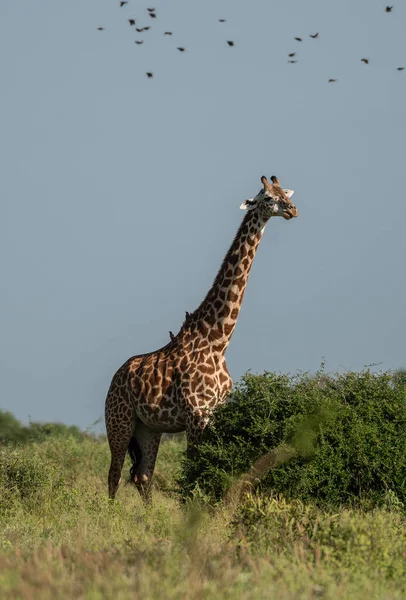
<point x="135" y="453"/>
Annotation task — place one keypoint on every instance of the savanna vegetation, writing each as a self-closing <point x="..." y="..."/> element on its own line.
<point x="298" y="491"/>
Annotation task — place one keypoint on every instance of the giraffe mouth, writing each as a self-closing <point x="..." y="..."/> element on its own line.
<point x="288" y="213"/>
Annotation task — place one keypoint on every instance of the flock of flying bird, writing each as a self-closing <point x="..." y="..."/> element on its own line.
<point x="291" y="56"/>
<point x="152" y="14"/>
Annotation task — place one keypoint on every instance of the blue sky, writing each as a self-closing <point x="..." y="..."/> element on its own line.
<point x="120" y="195"/>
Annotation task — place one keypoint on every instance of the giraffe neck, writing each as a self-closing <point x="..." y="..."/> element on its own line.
<point x="216" y="317"/>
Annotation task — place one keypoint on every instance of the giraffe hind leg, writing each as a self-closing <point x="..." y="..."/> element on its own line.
<point x="119" y="428"/>
<point x="135" y="453"/>
<point x="144" y="446"/>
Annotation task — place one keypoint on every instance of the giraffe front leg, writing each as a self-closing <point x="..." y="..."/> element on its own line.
<point x="148" y="442"/>
<point x="195" y="425"/>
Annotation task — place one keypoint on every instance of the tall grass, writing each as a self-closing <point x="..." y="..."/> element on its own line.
<point x="61" y="537"/>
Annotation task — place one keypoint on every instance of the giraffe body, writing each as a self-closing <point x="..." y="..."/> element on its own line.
<point x="177" y="387"/>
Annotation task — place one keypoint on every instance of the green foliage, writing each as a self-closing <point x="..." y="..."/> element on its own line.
<point x="333" y="440"/>
<point x="347" y="538"/>
<point x="25" y="479"/>
<point x="60" y="536"/>
<point x="13" y="431"/>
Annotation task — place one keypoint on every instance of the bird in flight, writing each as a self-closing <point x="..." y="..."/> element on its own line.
<point x="123" y="2"/>
<point x="292" y="61"/>
<point x="314" y="35"/>
<point x="230" y="43"/>
<point x="168" y="33"/>
<point x="299" y="39"/>
<point x="152" y="15"/>
<point x="222" y="20"/>
<point x="400" y="68"/>
<point x="100" y="29"/>
<point x="139" y="41"/>
<point x="388" y="9"/>
<point x="149" y="74"/>
<point x="142" y="29"/>
<point x="332" y="80"/>
<point x="181" y="49"/>
<point x="292" y="54"/>
<point x="131" y="22"/>
<point x="151" y="9"/>
<point x="365" y="60"/>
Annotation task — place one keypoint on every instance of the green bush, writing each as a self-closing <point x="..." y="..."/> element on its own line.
<point x="337" y="440"/>
<point x="25" y="479"/>
<point x="11" y="430"/>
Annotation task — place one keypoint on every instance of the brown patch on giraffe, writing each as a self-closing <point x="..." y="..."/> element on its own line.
<point x="210" y="369"/>
<point x="218" y="347"/>
<point x="234" y="313"/>
<point x="222" y="314"/>
<point x="193" y="384"/>
<point x="211" y="362"/>
<point x="215" y="334"/>
<point x="228" y="328"/>
<point x="223" y="377"/>
<point x="240" y="282"/>
<point x="210" y="319"/>
<point x="232" y="296"/>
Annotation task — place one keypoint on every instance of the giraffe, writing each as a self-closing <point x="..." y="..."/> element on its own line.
<point x="177" y="387"/>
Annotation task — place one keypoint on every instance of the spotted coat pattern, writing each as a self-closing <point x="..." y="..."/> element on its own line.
<point x="176" y="387"/>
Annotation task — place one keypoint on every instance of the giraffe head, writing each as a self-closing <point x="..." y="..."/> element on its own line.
<point x="272" y="201"/>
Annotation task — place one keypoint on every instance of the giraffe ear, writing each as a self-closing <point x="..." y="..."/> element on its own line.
<point x="289" y="193"/>
<point x="248" y="204"/>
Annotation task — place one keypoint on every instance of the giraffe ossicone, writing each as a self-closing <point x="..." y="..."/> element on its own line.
<point x="177" y="387"/>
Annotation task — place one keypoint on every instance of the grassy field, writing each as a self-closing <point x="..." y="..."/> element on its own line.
<point x="61" y="537"/>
